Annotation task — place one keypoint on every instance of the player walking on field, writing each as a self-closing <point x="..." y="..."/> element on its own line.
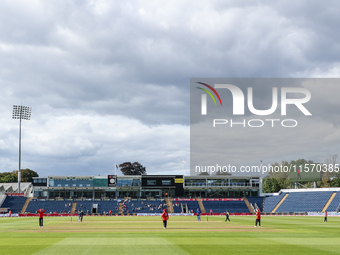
<point x="81" y="215"/>
<point x="258" y="218"/>
<point x="227" y="216"/>
<point x="325" y="220"/>
<point x="198" y="213"/>
<point x="41" y="217"/>
<point x="165" y="217"/>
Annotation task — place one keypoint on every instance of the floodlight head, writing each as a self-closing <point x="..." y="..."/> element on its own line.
<point x="21" y="112"/>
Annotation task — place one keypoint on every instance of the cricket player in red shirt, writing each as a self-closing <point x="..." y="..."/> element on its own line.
<point x="258" y="218"/>
<point x="41" y="216"/>
<point x="325" y="219"/>
<point x="165" y="217"/>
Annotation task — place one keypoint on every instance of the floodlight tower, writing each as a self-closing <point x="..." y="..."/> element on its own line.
<point x="21" y="113"/>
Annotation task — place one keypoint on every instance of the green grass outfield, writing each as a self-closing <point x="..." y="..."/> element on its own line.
<point x="145" y="235"/>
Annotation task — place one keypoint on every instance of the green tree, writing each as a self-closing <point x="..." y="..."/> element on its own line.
<point x="7" y="177"/>
<point x="271" y="185"/>
<point x="335" y="182"/>
<point x="281" y="178"/>
<point x="135" y="168"/>
<point x="27" y="175"/>
<point x="3" y="175"/>
<point x="10" y="178"/>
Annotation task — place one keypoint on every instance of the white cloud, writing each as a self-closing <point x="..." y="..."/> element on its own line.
<point x="101" y="140"/>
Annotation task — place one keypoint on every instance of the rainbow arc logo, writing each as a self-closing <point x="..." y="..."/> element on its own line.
<point x="204" y="97"/>
<point x="209" y="93"/>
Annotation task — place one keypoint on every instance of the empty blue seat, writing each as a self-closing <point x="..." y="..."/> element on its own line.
<point x="14" y="203"/>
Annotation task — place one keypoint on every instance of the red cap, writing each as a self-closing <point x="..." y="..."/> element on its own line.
<point x="164" y="210"/>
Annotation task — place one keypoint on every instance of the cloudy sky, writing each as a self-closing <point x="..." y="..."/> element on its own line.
<point x="109" y="81"/>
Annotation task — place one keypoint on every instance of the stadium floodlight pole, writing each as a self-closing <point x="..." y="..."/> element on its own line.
<point x="21" y="113"/>
<point x="260" y="179"/>
<point x="183" y="162"/>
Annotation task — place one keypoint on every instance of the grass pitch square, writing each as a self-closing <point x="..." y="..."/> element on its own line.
<point x="184" y="235"/>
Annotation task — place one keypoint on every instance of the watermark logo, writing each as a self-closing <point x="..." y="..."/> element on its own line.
<point x="204" y="97"/>
<point x="239" y="99"/>
<point x="277" y="101"/>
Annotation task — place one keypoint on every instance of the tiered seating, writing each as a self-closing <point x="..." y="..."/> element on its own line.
<point x="192" y="205"/>
<point x="86" y="206"/>
<point x="305" y="201"/>
<point x="106" y="206"/>
<point x="146" y="206"/>
<point x="335" y="203"/>
<point x="270" y="202"/>
<point x="103" y="206"/>
<point x="49" y="206"/>
<point x="14" y="204"/>
<point x="177" y="206"/>
<point x="223" y="206"/>
<point x="256" y="200"/>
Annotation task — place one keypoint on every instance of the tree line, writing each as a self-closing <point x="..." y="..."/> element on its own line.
<point x="127" y="168"/>
<point x="26" y="176"/>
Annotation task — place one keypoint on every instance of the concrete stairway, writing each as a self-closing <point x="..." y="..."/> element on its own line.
<point x="200" y="203"/>
<point x="329" y="202"/>
<point x="169" y="205"/>
<point x="279" y="203"/>
<point x="28" y="200"/>
<point x="73" y="209"/>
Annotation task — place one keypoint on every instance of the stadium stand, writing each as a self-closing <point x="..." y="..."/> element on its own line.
<point x="146" y="206"/>
<point x="128" y="206"/>
<point x="256" y="200"/>
<point x="288" y="201"/>
<point x="103" y="206"/>
<point x="177" y="205"/>
<point x="14" y="203"/>
<point x="305" y="202"/>
<point x="86" y="206"/>
<point x="334" y="205"/>
<point x="270" y="202"/>
<point x="192" y="205"/>
<point x="49" y="206"/>
<point x="66" y="206"/>
<point x="223" y="206"/>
